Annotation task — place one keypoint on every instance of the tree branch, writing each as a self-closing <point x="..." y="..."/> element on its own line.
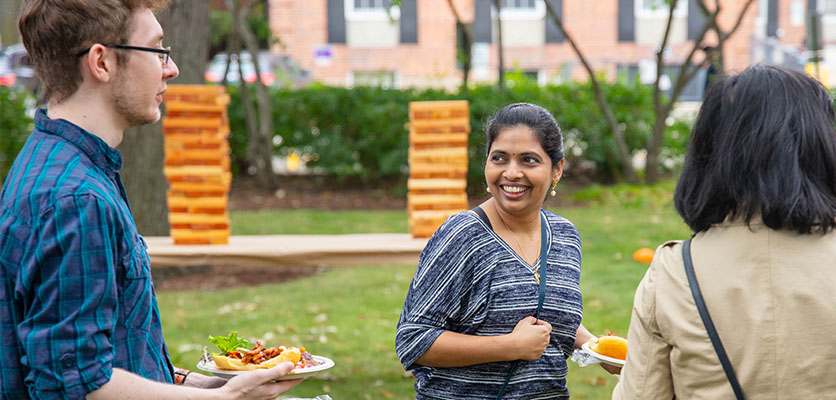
<point x="618" y="135"/>
<point x="468" y="41"/>
<point x="500" y="47"/>
<point x="702" y="6"/>
<point x="681" y="81"/>
<point x="455" y="13"/>
<point x="662" y="111"/>
<point x="660" y="54"/>
<point x="739" y="19"/>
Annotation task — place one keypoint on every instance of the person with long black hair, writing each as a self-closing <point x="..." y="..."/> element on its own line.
<point x="758" y="189"/>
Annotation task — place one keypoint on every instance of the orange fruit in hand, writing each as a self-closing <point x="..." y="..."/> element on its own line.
<point x="610" y="346"/>
<point x="644" y="255"/>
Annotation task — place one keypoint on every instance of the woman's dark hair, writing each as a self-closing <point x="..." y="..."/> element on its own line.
<point x="536" y="118"/>
<point x="763" y="145"/>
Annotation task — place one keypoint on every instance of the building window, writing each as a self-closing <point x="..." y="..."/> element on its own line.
<point x="827" y="10"/>
<point x="629" y="73"/>
<point x="762" y="17"/>
<point x="370" y="5"/>
<point x="519" y="4"/>
<point x="384" y="79"/>
<point x="461" y="48"/>
<point x="522" y="9"/>
<point x="371" y="10"/>
<point x="827" y="6"/>
<point x="659" y="8"/>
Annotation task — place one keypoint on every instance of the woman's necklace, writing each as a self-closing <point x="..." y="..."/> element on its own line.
<point x="519" y="246"/>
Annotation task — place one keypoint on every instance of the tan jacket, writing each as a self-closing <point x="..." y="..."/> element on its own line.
<point x="772" y="297"/>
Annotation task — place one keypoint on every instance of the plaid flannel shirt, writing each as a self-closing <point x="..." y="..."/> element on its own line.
<point x="76" y="297"/>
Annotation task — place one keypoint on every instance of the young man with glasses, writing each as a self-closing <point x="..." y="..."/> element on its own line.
<point x="78" y="314"/>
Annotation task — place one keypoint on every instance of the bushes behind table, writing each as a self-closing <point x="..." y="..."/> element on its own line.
<point x="15" y="126"/>
<point x="361" y="133"/>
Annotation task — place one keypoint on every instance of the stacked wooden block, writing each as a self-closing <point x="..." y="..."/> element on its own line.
<point x="197" y="162"/>
<point x="438" y="132"/>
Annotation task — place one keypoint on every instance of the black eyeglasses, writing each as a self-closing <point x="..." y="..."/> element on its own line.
<point x="163" y="54"/>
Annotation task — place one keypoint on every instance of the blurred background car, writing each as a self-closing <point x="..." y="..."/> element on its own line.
<point x="7" y="76"/>
<point x="15" y="68"/>
<point x="277" y="70"/>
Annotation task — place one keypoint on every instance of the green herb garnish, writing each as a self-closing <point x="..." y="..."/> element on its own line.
<point x="229" y="343"/>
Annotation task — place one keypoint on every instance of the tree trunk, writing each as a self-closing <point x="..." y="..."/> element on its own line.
<point x="9" y="14"/>
<point x="468" y="44"/>
<point x="686" y="72"/>
<point x="654" y="143"/>
<point x="264" y="136"/>
<point x="258" y="115"/>
<point x="721" y="59"/>
<point x="251" y="123"/>
<point x="186" y="26"/>
<point x="617" y="134"/>
<point x="499" y="47"/>
<point x="142" y="173"/>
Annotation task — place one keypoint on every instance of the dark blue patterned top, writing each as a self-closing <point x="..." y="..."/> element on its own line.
<point x="76" y="298"/>
<point x="470" y="281"/>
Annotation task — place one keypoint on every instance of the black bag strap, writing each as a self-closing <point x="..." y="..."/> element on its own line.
<point x="706" y="320"/>
<point x="484" y="217"/>
<point x="544" y="248"/>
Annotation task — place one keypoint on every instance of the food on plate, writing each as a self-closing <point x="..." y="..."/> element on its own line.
<point x="610" y="346"/>
<point x="236" y="355"/>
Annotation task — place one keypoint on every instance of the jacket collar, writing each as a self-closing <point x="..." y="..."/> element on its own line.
<point x="100" y="153"/>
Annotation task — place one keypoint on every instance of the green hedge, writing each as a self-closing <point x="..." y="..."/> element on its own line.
<point x="15" y="126"/>
<point x="361" y="133"/>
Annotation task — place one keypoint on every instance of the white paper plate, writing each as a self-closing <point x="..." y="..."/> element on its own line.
<point x="604" y="359"/>
<point x="297" y="373"/>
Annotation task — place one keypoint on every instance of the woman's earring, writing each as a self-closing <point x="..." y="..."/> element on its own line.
<point x="488" y="189"/>
<point x="554" y="189"/>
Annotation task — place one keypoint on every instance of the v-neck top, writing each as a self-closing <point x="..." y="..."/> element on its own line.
<point x="470" y="281"/>
<point x="487" y="221"/>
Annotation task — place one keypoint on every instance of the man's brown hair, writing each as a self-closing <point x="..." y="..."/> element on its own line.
<point x="55" y="31"/>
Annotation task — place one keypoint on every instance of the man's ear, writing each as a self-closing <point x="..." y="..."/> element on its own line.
<point x="99" y="63"/>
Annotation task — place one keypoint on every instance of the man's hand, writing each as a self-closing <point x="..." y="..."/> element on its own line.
<point x="260" y="384"/>
<point x="530" y="338"/>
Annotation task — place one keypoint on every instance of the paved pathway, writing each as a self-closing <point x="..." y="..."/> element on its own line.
<point x="291" y="250"/>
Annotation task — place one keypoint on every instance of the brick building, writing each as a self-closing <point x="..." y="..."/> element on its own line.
<point x="346" y="42"/>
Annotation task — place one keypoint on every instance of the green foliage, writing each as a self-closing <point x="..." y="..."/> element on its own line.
<point x="220" y="27"/>
<point x="15" y="126"/>
<point x="361" y="133"/>
<point x="627" y="196"/>
<point x="350" y="314"/>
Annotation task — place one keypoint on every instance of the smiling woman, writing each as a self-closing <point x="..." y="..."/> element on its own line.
<point x="496" y="296"/>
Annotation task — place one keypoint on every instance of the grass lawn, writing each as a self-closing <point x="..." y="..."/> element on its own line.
<point x="350" y="314"/>
<point x="310" y="222"/>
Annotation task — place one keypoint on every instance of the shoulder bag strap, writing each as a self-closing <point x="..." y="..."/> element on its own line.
<point x="706" y="320"/>
<point x="484" y="217"/>
<point x="544" y="255"/>
<point x="544" y="249"/>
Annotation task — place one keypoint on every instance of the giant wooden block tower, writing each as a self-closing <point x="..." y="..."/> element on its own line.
<point x="197" y="162"/>
<point x="438" y="132"/>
